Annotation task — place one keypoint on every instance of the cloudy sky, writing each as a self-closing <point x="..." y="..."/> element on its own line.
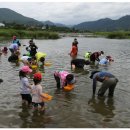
<point x="69" y="13"/>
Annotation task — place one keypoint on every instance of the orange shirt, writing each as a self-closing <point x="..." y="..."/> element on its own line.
<point x="74" y="51"/>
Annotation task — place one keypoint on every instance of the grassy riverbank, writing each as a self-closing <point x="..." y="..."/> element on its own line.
<point x="115" y="35"/>
<point x="8" y="33"/>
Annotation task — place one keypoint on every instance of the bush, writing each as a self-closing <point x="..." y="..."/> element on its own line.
<point x="28" y="34"/>
<point x="118" y="35"/>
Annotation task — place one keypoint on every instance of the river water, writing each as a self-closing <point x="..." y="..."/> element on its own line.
<point x="75" y="109"/>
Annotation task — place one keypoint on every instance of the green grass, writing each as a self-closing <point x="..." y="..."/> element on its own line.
<point x="115" y="34"/>
<point x="8" y="33"/>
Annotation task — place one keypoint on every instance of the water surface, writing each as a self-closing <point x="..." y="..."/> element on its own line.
<point x="76" y="109"/>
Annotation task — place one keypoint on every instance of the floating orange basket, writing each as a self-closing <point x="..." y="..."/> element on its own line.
<point x="69" y="87"/>
<point x="47" y="97"/>
<point x="47" y="64"/>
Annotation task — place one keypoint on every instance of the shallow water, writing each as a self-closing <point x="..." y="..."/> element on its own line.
<point x="76" y="109"/>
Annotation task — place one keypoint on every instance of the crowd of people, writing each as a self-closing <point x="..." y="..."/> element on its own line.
<point x="32" y="94"/>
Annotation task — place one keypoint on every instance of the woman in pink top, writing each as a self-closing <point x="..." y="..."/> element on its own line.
<point x="63" y="78"/>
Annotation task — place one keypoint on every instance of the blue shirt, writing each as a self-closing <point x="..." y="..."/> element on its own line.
<point x="99" y="76"/>
<point x="103" y="61"/>
<point x="15" y="41"/>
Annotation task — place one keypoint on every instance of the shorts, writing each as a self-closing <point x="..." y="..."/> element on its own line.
<point x="27" y="97"/>
<point x="36" y="104"/>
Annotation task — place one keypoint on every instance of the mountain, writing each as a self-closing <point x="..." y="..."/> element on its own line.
<point x="48" y="23"/>
<point x="10" y="16"/>
<point x="106" y="24"/>
<point x="53" y="24"/>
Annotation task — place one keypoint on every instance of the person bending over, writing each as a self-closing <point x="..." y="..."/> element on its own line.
<point x="79" y="63"/>
<point x="109" y="81"/>
<point x="63" y="78"/>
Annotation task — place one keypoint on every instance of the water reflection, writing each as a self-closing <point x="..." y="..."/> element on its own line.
<point x="33" y="119"/>
<point x="104" y="106"/>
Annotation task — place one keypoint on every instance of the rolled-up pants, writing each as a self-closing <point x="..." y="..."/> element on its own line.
<point x="108" y="84"/>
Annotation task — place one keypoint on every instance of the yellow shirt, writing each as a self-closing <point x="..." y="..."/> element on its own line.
<point x="39" y="55"/>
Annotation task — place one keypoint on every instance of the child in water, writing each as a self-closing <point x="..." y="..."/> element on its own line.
<point x="63" y="78"/>
<point x="37" y="92"/>
<point x="25" y="86"/>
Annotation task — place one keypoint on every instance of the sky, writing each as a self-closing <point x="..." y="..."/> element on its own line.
<point x="69" y="13"/>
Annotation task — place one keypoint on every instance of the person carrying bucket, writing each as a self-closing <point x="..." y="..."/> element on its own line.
<point x="64" y="78"/>
<point x="37" y="93"/>
<point x="108" y="80"/>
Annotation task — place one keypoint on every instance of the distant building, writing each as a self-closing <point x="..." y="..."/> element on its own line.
<point x="43" y="27"/>
<point x="2" y="25"/>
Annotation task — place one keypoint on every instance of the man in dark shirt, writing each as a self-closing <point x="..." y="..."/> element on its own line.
<point x="33" y="48"/>
<point x="79" y="63"/>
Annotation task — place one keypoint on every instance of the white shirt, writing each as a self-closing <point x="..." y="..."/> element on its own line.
<point x="24" y="88"/>
<point x="24" y="58"/>
<point x="14" y="46"/>
<point x="36" y="93"/>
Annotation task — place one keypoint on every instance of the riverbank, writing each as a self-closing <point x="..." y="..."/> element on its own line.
<point x="23" y="34"/>
<point x="109" y="35"/>
<point x="6" y="34"/>
<point x="114" y="35"/>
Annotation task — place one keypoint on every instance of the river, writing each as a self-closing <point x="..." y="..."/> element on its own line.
<point x="75" y="109"/>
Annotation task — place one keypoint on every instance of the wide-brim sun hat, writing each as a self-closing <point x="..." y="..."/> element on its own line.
<point x="26" y="69"/>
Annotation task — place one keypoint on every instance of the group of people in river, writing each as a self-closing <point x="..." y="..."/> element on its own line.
<point x="109" y="81"/>
<point x="32" y="94"/>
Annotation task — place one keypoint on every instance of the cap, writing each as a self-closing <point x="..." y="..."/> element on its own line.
<point x="70" y="79"/>
<point x="26" y="69"/>
<point x="92" y="73"/>
<point x="38" y="76"/>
